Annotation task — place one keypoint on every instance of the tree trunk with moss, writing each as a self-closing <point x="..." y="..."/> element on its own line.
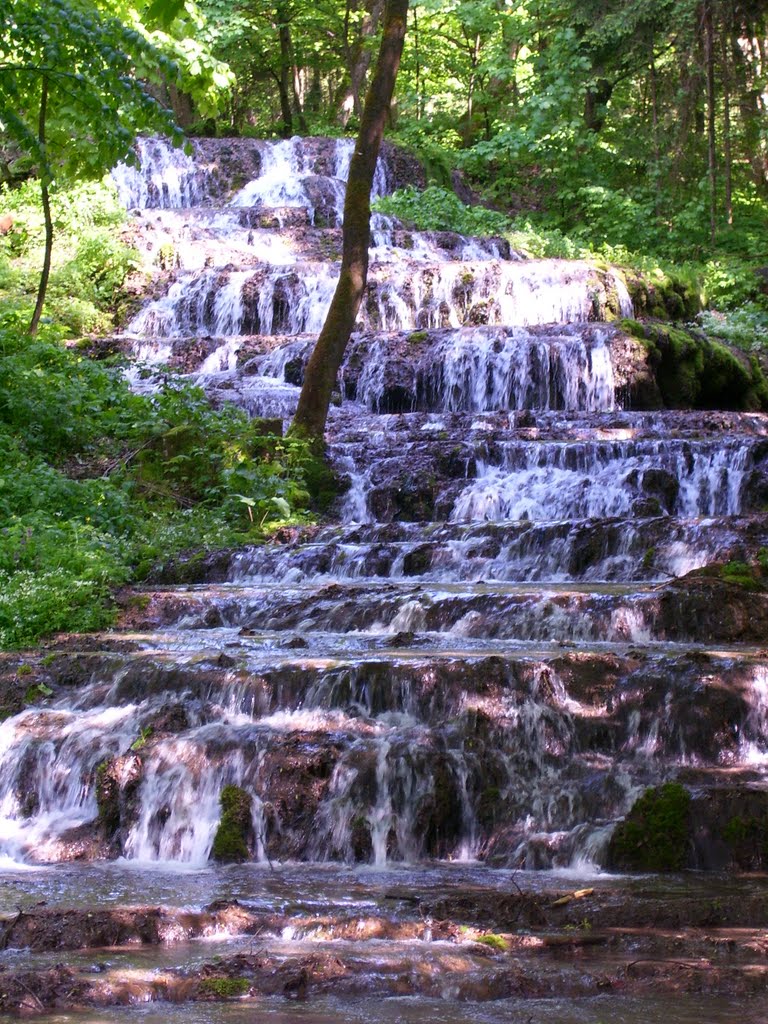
<point x="324" y="363"/>
<point x="47" y="218"/>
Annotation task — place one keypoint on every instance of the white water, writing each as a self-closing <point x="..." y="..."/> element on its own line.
<point x="384" y="692"/>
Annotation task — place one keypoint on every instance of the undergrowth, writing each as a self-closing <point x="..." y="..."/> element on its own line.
<point x="90" y="261"/>
<point x="100" y="486"/>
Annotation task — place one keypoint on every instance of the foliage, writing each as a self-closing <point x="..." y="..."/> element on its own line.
<point x="745" y="327"/>
<point x="99" y="485"/>
<point x="655" y="835"/>
<point x="230" y="844"/>
<point x="438" y="209"/>
<point x="93" y="105"/>
<point x="91" y="262"/>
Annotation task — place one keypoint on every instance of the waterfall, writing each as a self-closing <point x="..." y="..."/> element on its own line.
<point x="473" y="659"/>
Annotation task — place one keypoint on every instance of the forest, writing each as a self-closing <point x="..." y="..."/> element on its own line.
<point x="383" y="510"/>
<point x="634" y="135"/>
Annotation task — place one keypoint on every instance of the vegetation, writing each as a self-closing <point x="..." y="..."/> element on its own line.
<point x="100" y="486"/>
<point x="224" y="988"/>
<point x="691" y="371"/>
<point x="230" y="844"/>
<point x="655" y="835"/>
<point x="493" y="941"/>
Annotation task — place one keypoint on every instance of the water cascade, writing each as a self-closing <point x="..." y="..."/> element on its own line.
<point x="483" y="658"/>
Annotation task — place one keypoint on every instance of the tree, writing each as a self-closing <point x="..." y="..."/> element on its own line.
<point x="76" y="86"/>
<point x="324" y="363"/>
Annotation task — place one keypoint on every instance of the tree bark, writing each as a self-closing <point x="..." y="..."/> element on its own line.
<point x="46" y="200"/>
<point x="284" y="81"/>
<point x="709" y="52"/>
<point x="727" y="147"/>
<point x="357" y="57"/>
<point x="324" y="363"/>
<point x="595" y="104"/>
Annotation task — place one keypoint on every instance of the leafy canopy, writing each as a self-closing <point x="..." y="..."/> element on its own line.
<point x="94" y="70"/>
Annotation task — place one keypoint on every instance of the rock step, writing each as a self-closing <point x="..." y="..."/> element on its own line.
<point x="632" y="700"/>
<point x="525" y="759"/>
<point x="405" y="295"/>
<point x="589" y="613"/>
<point x="225" y="236"/>
<point x="572" y="943"/>
<point x="591" y="551"/>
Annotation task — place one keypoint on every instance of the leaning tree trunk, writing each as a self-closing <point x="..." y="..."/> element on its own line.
<point x="324" y="363"/>
<point x="46" y="201"/>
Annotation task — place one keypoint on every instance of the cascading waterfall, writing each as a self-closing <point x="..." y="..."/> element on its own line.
<point x="477" y="659"/>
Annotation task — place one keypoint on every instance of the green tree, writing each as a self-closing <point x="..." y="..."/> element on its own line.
<point x="77" y="85"/>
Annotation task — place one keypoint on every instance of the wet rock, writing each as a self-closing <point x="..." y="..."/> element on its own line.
<point x="117" y="784"/>
<point x="234" y="836"/>
<point x="656" y="834"/>
<point x="712" y="609"/>
<point x="661" y="485"/>
<point x="438" y="820"/>
<point x="730" y="829"/>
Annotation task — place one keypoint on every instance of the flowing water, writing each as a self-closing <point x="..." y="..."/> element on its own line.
<point x="475" y="663"/>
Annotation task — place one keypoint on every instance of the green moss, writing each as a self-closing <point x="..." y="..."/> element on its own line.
<point x="224" y="988"/>
<point x="665" y="295"/>
<point x="748" y="839"/>
<point x="497" y="942"/>
<point x="693" y="372"/>
<point x="416" y="337"/>
<point x="741" y="574"/>
<point x="230" y="844"/>
<point x="655" y="835"/>
<point x="107" y="798"/>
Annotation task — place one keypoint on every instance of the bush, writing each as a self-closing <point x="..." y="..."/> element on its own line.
<point x="656" y="834"/>
<point x="99" y="485"/>
<point x="439" y="209"/>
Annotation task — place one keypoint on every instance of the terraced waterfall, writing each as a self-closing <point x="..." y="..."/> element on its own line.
<point x="441" y="703"/>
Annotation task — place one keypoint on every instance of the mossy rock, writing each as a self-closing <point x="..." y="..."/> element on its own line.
<point x="224" y="988"/>
<point x="493" y="941"/>
<point x="742" y="574"/>
<point x="656" y="834"/>
<point x="664" y="296"/>
<point x="107" y="798"/>
<point x="231" y="844"/>
<point x="747" y="838"/>
<point x="693" y="372"/>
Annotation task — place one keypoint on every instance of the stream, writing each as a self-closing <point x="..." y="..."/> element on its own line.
<point x="446" y="696"/>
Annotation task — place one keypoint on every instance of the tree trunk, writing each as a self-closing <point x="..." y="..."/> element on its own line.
<point x="727" y="147"/>
<point x="595" y="104"/>
<point x="655" y="123"/>
<point x="183" y="107"/>
<point x="357" y="58"/>
<point x="284" y="81"/>
<point x="328" y="353"/>
<point x="46" y="200"/>
<point x="417" y="55"/>
<point x="709" y="58"/>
